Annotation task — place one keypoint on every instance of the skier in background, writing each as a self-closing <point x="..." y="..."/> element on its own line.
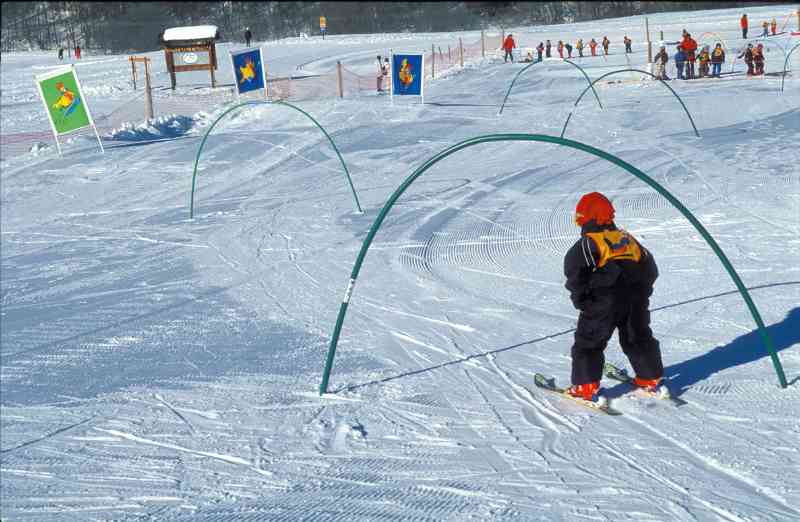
<point x="758" y="59"/>
<point x="704" y="58"/>
<point x="247" y="36"/>
<point x="60" y="53"/>
<point x="765" y="29"/>
<point x="539" y="51"/>
<point x="773" y="25"/>
<point x="593" y="47"/>
<point x="747" y="54"/>
<point x="606" y="43"/>
<point x="689" y="46"/>
<point x="509" y="46"/>
<point x="680" y="61"/>
<point x="610" y="278"/>
<point x="661" y="60"/>
<point x="628" y="43"/>
<point x="568" y="47"/>
<point x="743" y="24"/>
<point x="579" y="47"/>
<point x="77" y="52"/>
<point x="717" y="59"/>
<point x="560" y="48"/>
<point x="547" y="47"/>
<point x="383" y="72"/>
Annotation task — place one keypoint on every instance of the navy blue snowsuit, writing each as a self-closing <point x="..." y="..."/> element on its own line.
<point x="613" y="296"/>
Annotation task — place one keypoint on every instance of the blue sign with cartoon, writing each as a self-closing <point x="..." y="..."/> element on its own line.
<point x="248" y="69"/>
<point x="407" y="73"/>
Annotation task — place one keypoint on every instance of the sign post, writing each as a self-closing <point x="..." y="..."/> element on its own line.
<point x="65" y="104"/>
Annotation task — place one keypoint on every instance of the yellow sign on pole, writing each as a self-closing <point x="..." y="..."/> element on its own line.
<point x="323" y="23"/>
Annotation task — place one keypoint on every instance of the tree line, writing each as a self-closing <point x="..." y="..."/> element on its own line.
<point x="135" y="26"/>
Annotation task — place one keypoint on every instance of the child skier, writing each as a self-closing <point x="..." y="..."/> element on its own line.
<point x="758" y="59"/>
<point x="593" y="47"/>
<point x="661" y="60"/>
<point x="547" y="47"/>
<point x="579" y="47"/>
<point x="539" y="51"/>
<point x="560" y="48"/>
<point x="747" y="54"/>
<point x="773" y="25"/>
<point x="610" y="277"/>
<point x="717" y="59"/>
<point x="743" y="23"/>
<point x="606" y="43"/>
<point x="680" y="60"/>
<point x="508" y="46"/>
<point x="704" y="58"/>
<point x="628" y="43"/>
<point x="568" y="47"/>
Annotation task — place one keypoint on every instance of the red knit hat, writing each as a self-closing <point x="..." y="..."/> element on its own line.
<point x="594" y="206"/>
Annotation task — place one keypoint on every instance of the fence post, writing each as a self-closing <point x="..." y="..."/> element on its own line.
<point x="661" y="35"/>
<point x="649" y="45"/>
<point x="449" y="57"/>
<point x="339" y="77"/>
<point x="461" y="52"/>
<point x="133" y="72"/>
<point x="148" y="95"/>
<point x="267" y="92"/>
<point x="433" y="62"/>
<point x="483" y="46"/>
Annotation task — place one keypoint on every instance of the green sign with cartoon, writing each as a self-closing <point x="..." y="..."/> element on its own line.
<point x="64" y="101"/>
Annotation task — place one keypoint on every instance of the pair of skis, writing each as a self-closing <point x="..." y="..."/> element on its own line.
<point x="613" y="372"/>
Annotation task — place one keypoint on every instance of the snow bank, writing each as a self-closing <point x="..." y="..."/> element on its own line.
<point x="194" y="32"/>
<point x="171" y="126"/>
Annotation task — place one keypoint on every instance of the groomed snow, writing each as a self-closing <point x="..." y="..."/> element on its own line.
<point x="157" y="367"/>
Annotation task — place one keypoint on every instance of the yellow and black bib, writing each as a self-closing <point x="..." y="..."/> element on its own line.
<point x="615" y="245"/>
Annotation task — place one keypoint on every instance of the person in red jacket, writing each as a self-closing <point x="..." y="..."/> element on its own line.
<point x="689" y="46"/>
<point x="610" y="278"/>
<point x="593" y="47"/>
<point x="508" y="46"/>
<point x="743" y="24"/>
<point x="560" y="49"/>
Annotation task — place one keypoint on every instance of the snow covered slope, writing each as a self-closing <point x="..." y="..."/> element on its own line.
<point x="159" y="367"/>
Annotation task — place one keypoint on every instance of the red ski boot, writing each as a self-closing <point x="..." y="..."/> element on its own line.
<point x="586" y="391"/>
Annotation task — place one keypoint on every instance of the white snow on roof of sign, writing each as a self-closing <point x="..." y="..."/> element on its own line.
<point x="195" y="32"/>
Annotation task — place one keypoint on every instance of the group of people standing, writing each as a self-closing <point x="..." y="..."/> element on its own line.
<point x="77" y="52"/>
<point x="686" y="56"/>
<point x="545" y="48"/>
<point x="765" y="26"/>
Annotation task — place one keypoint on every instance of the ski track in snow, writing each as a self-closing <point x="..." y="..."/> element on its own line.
<point x="157" y="367"/>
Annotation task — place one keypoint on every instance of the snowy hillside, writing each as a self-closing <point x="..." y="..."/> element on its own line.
<point x="156" y="367"/>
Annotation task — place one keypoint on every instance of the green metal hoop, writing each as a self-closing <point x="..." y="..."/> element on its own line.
<point x="534" y="63"/>
<point x="569" y="116"/>
<point x="260" y="102"/>
<point x="557" y="141"/>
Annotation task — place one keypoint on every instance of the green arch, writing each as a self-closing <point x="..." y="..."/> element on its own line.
<point x="569" y="116"/>
<point x="558" y="141"/>
<point x="786" y="63"/>
<point x="534" y="63"/>
<point x="260" y="102"/>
